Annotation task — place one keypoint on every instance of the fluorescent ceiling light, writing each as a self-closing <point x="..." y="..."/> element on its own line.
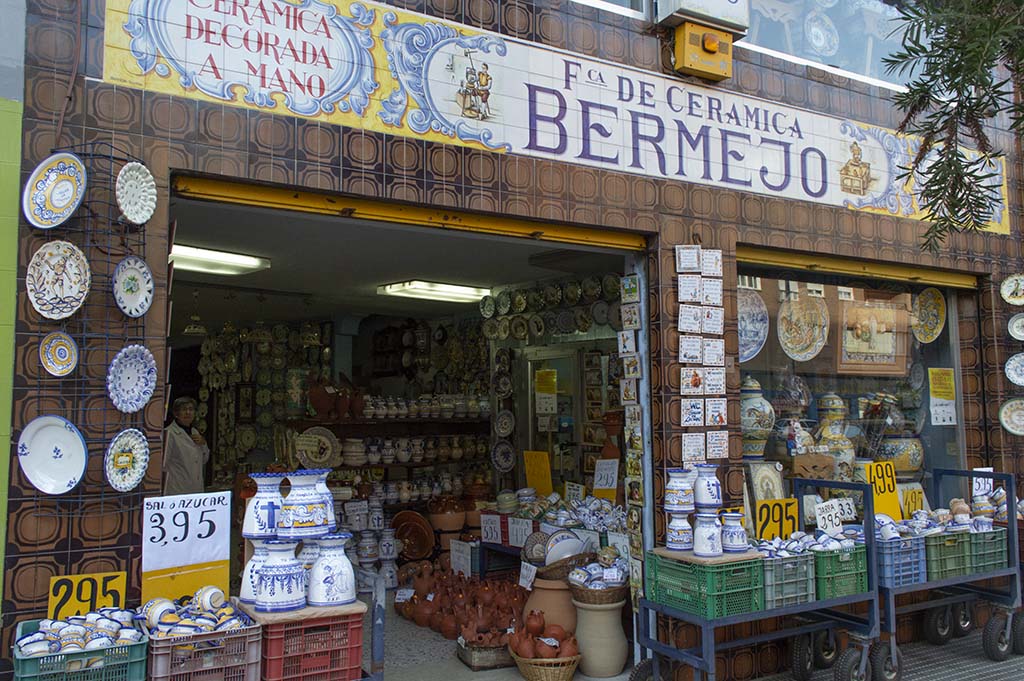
<point x="429" y="290"/>
<point x="192" y="259"/>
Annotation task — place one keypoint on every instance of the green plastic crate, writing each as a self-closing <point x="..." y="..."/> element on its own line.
<point x="988" y="550"/>
<point x="841" y="573"/>
<point x="788" y="581"/>
<point x="948" y="555"/>
<point x="709" y="591"/>
<point x="121" y="663"/>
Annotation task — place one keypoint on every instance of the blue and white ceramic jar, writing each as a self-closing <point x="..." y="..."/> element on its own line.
<point x="678" y="491"/>
<point x="332" y="580"/>
<point x="734" y="535"/>
<point x="679" y="534"/>
<point x="328" y="497"/>
<point x="757" y="419"/>
<point x="247" y="589"/>
<point x="281" y="580"/>
<point x="707" y="535"/>
<point x="303" y="511"/>
<point x="707" y="490"/>
<point x="263" y="510"/>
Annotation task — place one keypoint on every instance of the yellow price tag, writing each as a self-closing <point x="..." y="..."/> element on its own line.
<point x="538" y="472"/>
<point x="81" y="594"/>
<point x="776" y="518"/>
<point x="882" y="478"/>
<point x="913" y="500"/>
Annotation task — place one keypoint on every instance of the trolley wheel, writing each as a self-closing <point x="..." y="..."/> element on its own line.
<point x="994" y="639"/>
<point x="801" y="657"/>
<point x="881" y="662"/>
<point x="962" y="619"/>
<point x="847" y="667"/>
<point x="937" y="626"/>
<point x="1018" y="633"/>
<point x="826" y="649"/>
<point x="643" y="671"/>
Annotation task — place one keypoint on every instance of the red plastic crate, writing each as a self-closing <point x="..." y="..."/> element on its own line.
<point x="321" y="649"/>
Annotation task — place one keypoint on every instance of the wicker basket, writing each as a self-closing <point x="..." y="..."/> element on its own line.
<point x="554" y="669"/>
<point x="562" y="568"/>
<point x="582" y="594"/>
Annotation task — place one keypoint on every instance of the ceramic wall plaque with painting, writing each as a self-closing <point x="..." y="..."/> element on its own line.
<point x="627" y="342"/>
<point x="711" y="262"/>
<point x="627" y="391"/>
<point x="872" y="339"/>
<point x="690" y="319"/>
<point x="688" y="258"/>
<point x="711" y="292"/>
<point x="691" y="381"/>
<point x="715" y="412"/>
<point x="714" y="381"/>
<point x="634" y="417"/>
<point x="629" y="288"/>
<point x="631" y="366"/>
<point x="717" y="444"/>
<point x="689" y="286"/>
<point x="694" y="447"/>
<point x="765" y="480"/>
<point x="692" y="412"/>
<point x="691" y="349"/>
<point x="713" y="321"/>
<point x="714" y="352"/>
<point x="630" y="315"/>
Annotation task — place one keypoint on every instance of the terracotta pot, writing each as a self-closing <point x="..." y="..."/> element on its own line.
<point x="485" y="595"/>
<point x="552" y="597"/>
<point x="544" y="651"/>
<point x="535" y="623"/>
<point x="569" y="648"/>
<point x="452" y="521"/>
<point x="449" y="627"/>
<point x="527" y="647"/>
<point x="555" y="631"/>
<point x="423" y="583"/>
<point x="600" y="635"/>
<point x="436" y="619"/>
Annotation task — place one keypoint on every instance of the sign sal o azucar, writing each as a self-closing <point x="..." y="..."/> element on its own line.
<point x="370" y="66"/>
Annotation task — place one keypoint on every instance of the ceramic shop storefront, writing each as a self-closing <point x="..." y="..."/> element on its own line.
<point x="785" y="175"/>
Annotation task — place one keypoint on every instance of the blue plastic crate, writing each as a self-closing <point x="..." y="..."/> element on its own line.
<point x="901" y="562"/>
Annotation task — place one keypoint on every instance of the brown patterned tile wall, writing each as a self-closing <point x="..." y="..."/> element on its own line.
<point x="175" y="135"/>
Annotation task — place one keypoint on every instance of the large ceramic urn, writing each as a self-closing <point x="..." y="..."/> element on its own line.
<point x="831" y="433"/>
<point x="303" y="511"/>
<point x="281" y="580"/>
<point x="601" y="639"/>
<point x="332" y="580"/>
<point x="905" y="451"/>
<point x="552" y="597"/>
<point x="757" y="419"/>
<point x="263" y="510"/>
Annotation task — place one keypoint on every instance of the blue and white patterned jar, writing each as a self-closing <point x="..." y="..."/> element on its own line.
<point x="263" y="510"/>
<point x="303" y="511"/>
<point x="734" y="535"/>
<point x="679" y="534"/>
<point x="281" y="580"/>
<point x="707" y="491"/>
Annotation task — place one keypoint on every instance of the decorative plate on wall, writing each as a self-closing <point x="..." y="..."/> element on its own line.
<point x="1016" y="326"/>
<point x="126" y="460"/>
<point x="503" y="456"/>
<point x="753" y="323"/>
<point x="928" y="315"/>
<point x="131" y="379"/>
<point x="1015" y="369"/>
<point x="58" y="353"/>
<point x="1011" y="416"/>
<point x="52" y="454"/>
<point x="136" y="193"/>
<point x="1012" y="289"/>
<point x="54" y="190"/>
<point x="133" y="286"/>
<point x="57" y="279"/>
<point x="802" y="327"/>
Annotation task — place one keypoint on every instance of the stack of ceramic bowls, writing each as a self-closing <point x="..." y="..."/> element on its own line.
<point x="526" y="495"/>
<point x="353" y="452"/>
<point x="507" y="502"/>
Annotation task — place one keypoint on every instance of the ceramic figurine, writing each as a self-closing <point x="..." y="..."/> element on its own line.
<point x="263" y="510"/>
<point x="281" y="580"/>
<point x="332" y="579"/>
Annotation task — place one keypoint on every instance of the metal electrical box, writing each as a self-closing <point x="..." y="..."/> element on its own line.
<point x="703" y="52"/>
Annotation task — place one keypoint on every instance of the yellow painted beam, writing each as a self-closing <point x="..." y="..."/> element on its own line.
<point x="225" y="191"/>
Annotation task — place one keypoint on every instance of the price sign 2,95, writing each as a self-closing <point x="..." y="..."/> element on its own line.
<point x="81" y="594"/>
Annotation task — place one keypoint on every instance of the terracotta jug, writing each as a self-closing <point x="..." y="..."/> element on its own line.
<point x="483" y="618"/>
<point x="424" y="581"/>
<point x="436" y="619"/>
<point x="485" y="595"/>
<point x="535" y="623"/>
<point x="527" y="647"/>
<point x="449" y="628"/>
<point x="552" y="597"/>
<point x="409" y="607"/>
<point x="424" y="610"/>
<point x="569" y="648"/>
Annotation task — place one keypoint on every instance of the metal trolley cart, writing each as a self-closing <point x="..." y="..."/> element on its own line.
<point x="953" y="571"/>
<point x="809" y="622"/>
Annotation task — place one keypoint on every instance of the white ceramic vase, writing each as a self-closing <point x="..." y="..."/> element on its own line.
<point x="707" y="491"/>
<point x="332" y="580"/>
<point x="247" y="590"/>
<point x="707" y="535"/>
<point x="281" y="580"/>
<point x="389" y="573"/>
<point x="679" y="536"/>
<point x="387" y="549"/>
<point x="328" y="497"/>
<point x="734" y="536"/>
<point x="601" y="639"/>
<point x="303" y="511"/>
<point x="307" y="556"/>
<point x="263" y="510"/>
<point x="678" y="491"/>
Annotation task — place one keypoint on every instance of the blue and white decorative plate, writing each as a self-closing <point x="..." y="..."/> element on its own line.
<point x="821" y="34"/>
<point x="52" y="454"/>
<point x="1016" y="326"/>
<point x="1015" y="369"/>
<point x="58" y="353"/>
<point x="135" y="191"/>
<point x="133" y="286"/>
<point x="753" y="323"/>
<point x="503" y="456"/>
<point x="131" y="379"/>
<point x="57" y="279"/>
<point x="54" y="191"/>
<point x="126" y="460"/>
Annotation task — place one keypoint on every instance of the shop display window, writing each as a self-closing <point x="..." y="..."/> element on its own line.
<point x="837" y="373"/>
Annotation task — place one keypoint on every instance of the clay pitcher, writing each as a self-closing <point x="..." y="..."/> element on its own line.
<point x="424" y="581"/>
<point x="449" y="628"/>
<point x="423" y="612"/>
<point x="483" y="618"/>
<point x="485" y="595"/>
<point x="569" y="648"/>
<point x="527" y="647"/>
<point x="535" y="623"/>
<point x="552" y="597"/>
<point x="436" y="619"/>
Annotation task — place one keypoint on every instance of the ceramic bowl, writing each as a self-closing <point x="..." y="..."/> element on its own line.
<point x="35" y="648"/>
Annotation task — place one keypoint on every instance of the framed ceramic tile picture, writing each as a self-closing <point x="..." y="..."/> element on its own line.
<point x="711" y="262"/>
<point x="694" y="448"/>
<point x="634" y="491"/>
<point x="688" y="258"/>
<point x="627" y="391"/>
<point x="715" y="412"/>
<point x="691" y="349"/>
<point x="631" y="366"/>
<point x="711" y="292"/>
<point x="689" y="288"/>
<point x="718" y="444"/>
<point x="713" y="321"/>
<point x="630" y="315"/>
<point x="714" y="380"/>
<point x="630" y="288"/>
<point x="634" y="417"/>
<point x="691" y="381"/>
<point x="692" y="413"/>
<point x="627" y="342"/>
<point x="714" y="352"/>
<point x="689" y="319"/>
<point x="765" y="479"/>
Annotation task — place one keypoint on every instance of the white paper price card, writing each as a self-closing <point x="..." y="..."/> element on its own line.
<point x="357" y="508"/>
<point x="847" y="509"/>
<point x="590" y="539"/>
<point x="527" y="573"/>
<point x="606" y="474"/>
<point x="462" y="557"/>
<point x="574" y="490"/>
<point x="829" y="517"/>
<point x="619" y="541"/>
<point x="982" y="485"/>
<point x="185" y="529"/>
<point x="402" y="595"/>
<point x="490" y="528"/>
<point x="518" y="530"/>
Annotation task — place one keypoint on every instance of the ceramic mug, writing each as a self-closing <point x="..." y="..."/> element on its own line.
<point x="35" y="648"/>
<point x="130" y="635"/>
<point x="209" y="598"/>
<point x="890" y="532"/>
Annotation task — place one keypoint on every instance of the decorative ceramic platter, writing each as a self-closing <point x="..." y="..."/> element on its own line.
<point x="52" y="454"/>
<point x="133" y="286"/>
<point x="610" y="286"/>
<point x="57" y="279"/>
<point x="1012" y="289"/>
<point x="54" y="191"/>
<point x="753" y="323"/>
<point x="317" y="447"/>
<point x="246" y="436"/>
<point x="58" y="353"/>
<point x="615" y="316"/>
<point x="599" y="312"/>
<point x="503" y="302"/>
<point x="415" y="533"/>
<point x="502" y="384"/>
<point x="928" y="315"/>
<point x="802" y="327"/>
<point x="917" y="376"/>
<point x="1011" y="415"/>
<point x="520" y="328"/>
<point x="126" y="460"/>
<point x="1016" y="326"/>
<point x="487" y="307"/>
<point x="821" y="34"/>
<point x="1015" y="369"/>
<point x="503" y="456"/>
<point x="136" y="193"/>
<point x="504" y="423"/>
<point x="131" y="379"/>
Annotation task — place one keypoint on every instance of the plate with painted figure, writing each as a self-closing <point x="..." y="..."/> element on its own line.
<point x="802" y="327"/>
<point x="57" y="279"/>
<point x="1012" y="289"/>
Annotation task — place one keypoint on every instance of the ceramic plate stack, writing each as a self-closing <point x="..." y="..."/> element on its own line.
<point x="353" y="453"/>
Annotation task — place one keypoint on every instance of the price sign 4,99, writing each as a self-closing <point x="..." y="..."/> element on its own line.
<point x="775" y="518"/>
<point x="882" y="478"/>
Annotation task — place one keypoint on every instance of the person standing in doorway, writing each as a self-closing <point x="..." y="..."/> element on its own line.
<point x="186" y="451"/>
